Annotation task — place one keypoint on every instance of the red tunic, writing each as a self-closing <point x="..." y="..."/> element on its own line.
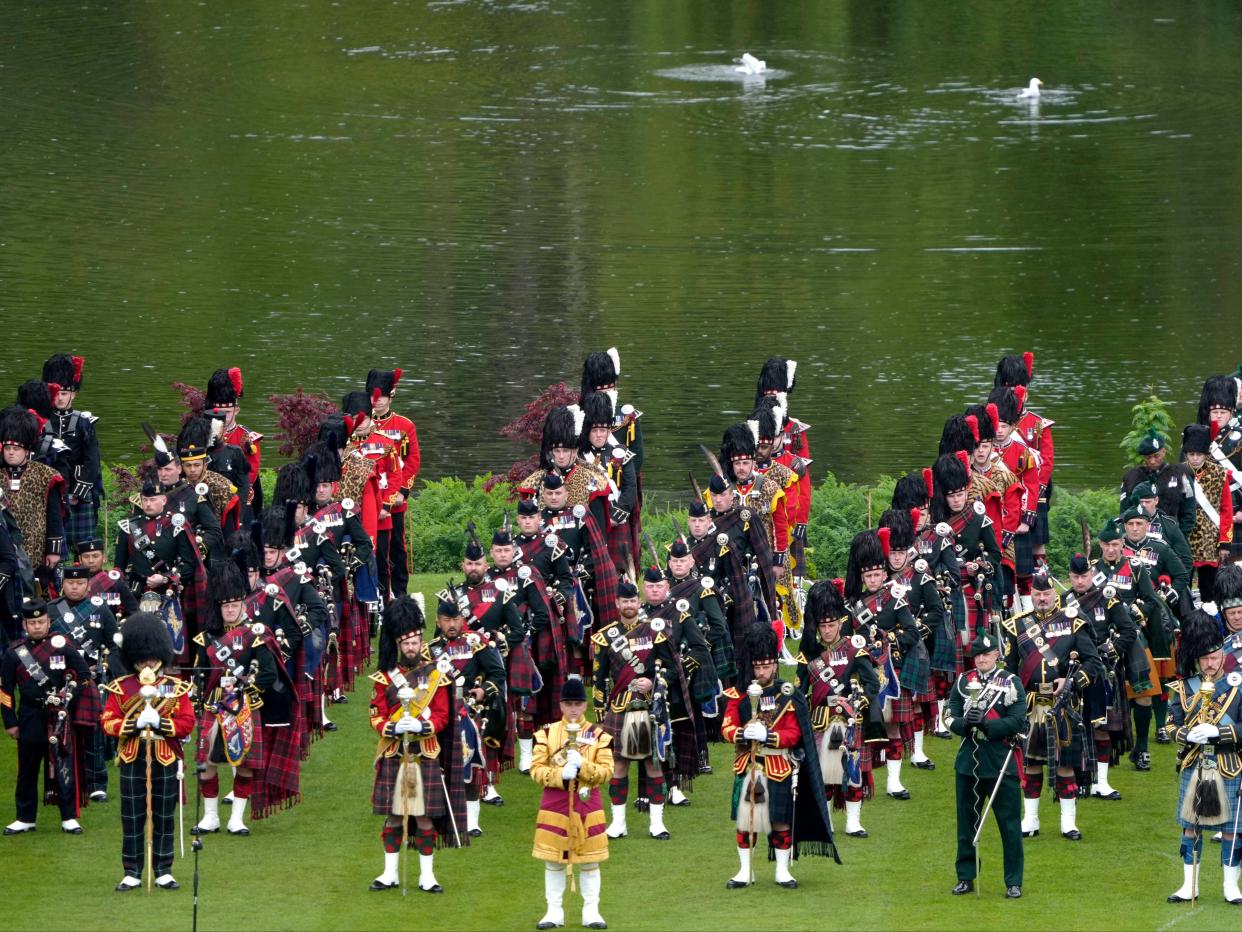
<point x="783" y="733"/>
<point x="383" y="453"/>
<point x="125" y="702"/>
<point x="1024" y="464"/>
<point x="404" y="436"/>
<point x="248" y="440"/>
<point x="1036" y="433"/>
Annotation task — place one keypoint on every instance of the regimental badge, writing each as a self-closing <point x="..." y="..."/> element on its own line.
<point x="201" y="489"/>
<point x="979" y="508"/>
<point x="683" y="605"/>
<point x="858" y="642"/>
<point x="347" y="504"/>
<point x="501" y="585"/>
<point x="271" y="589"/>
<point x="114" y="575"/>
<point x="1234" y="679"/>
<point x="786" y="689"/>
<point x="1071" y="612"/>
<point x="745" y="514"/>
<point x="722" y="539"/>
<point x="178" y="520"/>
<point x="67" y="618"/>
<point x="551" y="541"/>
<point x="523" y="572"/>
<point x="97" y="600"/>
<point x="58" y="641"/>
<point x="444" y="664"/>
<point x="707" y="582"/>
<point x="657" y="625"/>
<point x="258" y="628"/>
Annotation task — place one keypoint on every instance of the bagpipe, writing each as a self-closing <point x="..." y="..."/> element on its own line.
<point x="60" y="739"/>
<point x="234" y="703"/>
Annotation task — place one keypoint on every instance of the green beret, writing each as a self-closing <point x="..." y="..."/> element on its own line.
<point x="1143" y="490"/>
<point x="1134" y="513"/>
<point x="1150" y="444"/>
<point x="1112" y="530"/>
<point x="983" y="643"/>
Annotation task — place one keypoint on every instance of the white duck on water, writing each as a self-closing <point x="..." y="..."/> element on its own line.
<point x="751" y="65"/>
<point x="1031" y="91"/>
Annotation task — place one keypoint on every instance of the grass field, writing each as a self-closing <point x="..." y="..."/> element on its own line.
<point x="308" y="868"/>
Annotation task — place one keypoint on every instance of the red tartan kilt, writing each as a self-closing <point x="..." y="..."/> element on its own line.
<point x="941" y="685"/>
<point x="612" y="724"/>
<point x="87" y="708"/>
<point x="386" y="769"/>
<point x="256" y="757"/>
<point x="521" y="670"/>
<point x="901" y="709"/>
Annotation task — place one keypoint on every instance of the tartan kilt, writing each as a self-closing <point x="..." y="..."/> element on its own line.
<point x="780" y="799"/>
<point x="946" y="650"/>
<point x="349" y="642"/>
<point x="1233" y="786"/>
<point x="81" y="521"/>
<point x="256" y="757"/>
<point x="279" y="785"/>
<point x="901" y="714"/>
<point x="915" y="671"/>
<point x="434" y="801"/>
<point x="1040" y="534"/>
<point x="1023" y="554"/>
<point x="193" y="597"/>
<point x="544" y="656"/>
<point x="523" y="677"/>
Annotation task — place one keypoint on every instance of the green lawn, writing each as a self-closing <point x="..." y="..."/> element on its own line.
<point x="308" y="868"/>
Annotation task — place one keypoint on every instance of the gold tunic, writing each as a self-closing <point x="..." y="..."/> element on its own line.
<point x="561" y="836"/>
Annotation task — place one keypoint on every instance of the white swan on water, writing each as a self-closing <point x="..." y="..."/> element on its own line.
<point x="751" y="65"/>
<point x="1032" y="90"/>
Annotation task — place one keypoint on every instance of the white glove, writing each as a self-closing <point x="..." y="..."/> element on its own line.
<point x="148" y="718"/>
<point x="755" y="731"/>
<point x="574" y="757"/>
<point x="407" y="725"/>
<point x="1202" y="734"/>
<point x="569" y="771"/>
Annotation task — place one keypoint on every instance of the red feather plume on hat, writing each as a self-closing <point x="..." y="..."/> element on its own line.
<point x="915" y="514"/>
<point x="375" y="396"/>
<point x="884" y="534"/>
<point x="349" y="424"/>
<point x="396" y="377"/>
<point x="1028" y="360"/>
<point x="53" y="388"/>
<point x="39" y="421"/>
<point x="1020" y="393"/>
<point x="973" y="423"/>
<point x="964" y="459"/>
<point x="235" y="379"/>
<point x="993" y="415"/>
<point x="78" y="363"/>
<point x="840" y="585"/>
<point x="1214" y="430"/>
<point x="928" y="483"/>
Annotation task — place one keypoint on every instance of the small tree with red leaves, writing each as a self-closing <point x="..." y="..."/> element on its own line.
<point x="528" y="428"/>
<point x="298" y="417"/>
<point x="192" y="399"/>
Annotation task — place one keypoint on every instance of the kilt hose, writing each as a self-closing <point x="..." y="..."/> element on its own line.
<point x="164" y="789"/>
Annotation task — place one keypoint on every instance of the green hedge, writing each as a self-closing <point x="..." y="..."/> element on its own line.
<point x="442" y="508"/>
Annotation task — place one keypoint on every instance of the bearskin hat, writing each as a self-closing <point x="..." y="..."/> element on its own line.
<point x="17" y="425"/>
<point x="401" y="617"/>
<point x="1228" y="590"/>
<point x="596" y="412"/>
<point x="739" y="442"/>
<point x="777" y="375"/>
<point x="277" y="526"/>
<point x="1219" y="391"/>
<point x="36" y="396"/>
<point x="900" y="528"/>
<point x="770" y="413"/>
<point x="1008" y="407"/>
<point x="950" y="475"/>
<point x="383" y="379"/>
<point x="354" y="404"/>
<point x="824" y="601"/>
<point x="758" y="641"/>
<point x="560" y="429"/>
<point x="985" y="417"/>
<point x="144" y="636"/>
<point x="322" y="462"/>
<point x="244" y="548"/>
<point x="866" y="552"/>
<point x="957" y="435"/>
<point x="195" y="438"/>
<point x="293" y="484"/>
<point x="223" y="388"/>
<point x="600" y="370"/>
<point x="1196" y="438"/>
<point x="910" y="492"/>
<point x="334" y="431"/>
<point x="1201" y="635"/>
<point x="225" y="583"/>
<point x="1015" y="370"/>
<point x="64" y="370"/>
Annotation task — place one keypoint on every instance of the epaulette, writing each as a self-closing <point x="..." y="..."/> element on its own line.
<point x="123" y="524"/>
<point x="800" y="658"/>
<point x="660" y="638"/>
<point x="201" y="639"/>
<point x="732" y="693"/>
<point x="183" y="688"/>
<point x="115" y="686"/>
<point x="927" y="578"/>
<point x="1010" y="625"/>
<point x="599" y="639"/>
<point x="379" y="676"/>
<point x="862" y="652"/>
<point x="1078" y="623"/>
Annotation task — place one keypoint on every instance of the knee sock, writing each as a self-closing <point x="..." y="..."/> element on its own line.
<point x="743" y="839"/>
<point x="619" y="790"/>
<point x="390" y="835"/>
<point x="1160" y="708"/>
<point x="1142" y="726"/>
<point x="1066" y="787"/>
<point x="852" y="794"/>
<point x="1191" y="848"/>
<point x="211" y="787"/>
<point x="241" y="786"/>
<point x="525" y="728"/>
<point x="1104" y="749"/>
<point x="896" y="749"/>
<point x="1034" y="785"/>
<point x="780" y="839"/>
<point x="657" y="789"/>
<point x="425" y="842"/>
